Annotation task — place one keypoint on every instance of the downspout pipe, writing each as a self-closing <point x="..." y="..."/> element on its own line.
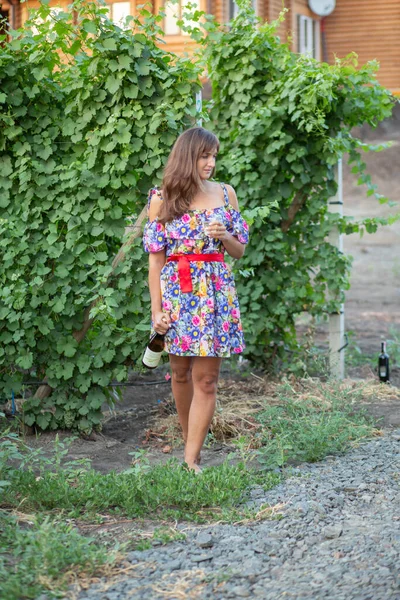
<point x="323" y="41"/>
<point x="13" y="14"/>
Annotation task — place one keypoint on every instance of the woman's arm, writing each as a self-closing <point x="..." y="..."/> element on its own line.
<point x="232" y="245"/>
<point x="161" y="320"/>
<point x="216" y="230"/>
<point x="156" y="263"/>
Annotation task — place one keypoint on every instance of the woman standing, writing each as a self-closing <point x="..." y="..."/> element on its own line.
<point x="192" y="222"/>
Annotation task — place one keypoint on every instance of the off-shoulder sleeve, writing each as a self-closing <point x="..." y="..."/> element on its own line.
<point x="154" y="239"/>
<point x="240" y="228"/>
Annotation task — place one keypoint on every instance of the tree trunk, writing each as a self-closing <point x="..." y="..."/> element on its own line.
<point x="44" y="391"/>
<point x="294" y="208"/>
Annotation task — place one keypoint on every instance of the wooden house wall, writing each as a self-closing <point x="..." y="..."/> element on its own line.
<point x="31" y="4"/>
<point x="13" y="9"/>
<point x="18" y="15"/>
<point x="372" y="30"/>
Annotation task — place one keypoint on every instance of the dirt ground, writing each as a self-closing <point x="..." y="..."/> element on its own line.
<point x="372" y="313"/>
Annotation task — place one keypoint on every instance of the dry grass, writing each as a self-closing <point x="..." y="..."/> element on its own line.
<point x="188" y="584"/>
<point x="265" y="512"/>
<point x="239" y="402"/>
<point x="182" y="585"/>
<point x="109" y="576"/>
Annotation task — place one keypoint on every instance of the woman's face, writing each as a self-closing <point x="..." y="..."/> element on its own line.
<point x="206" y="164"/>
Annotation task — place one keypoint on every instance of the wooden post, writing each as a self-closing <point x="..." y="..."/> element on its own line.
<point x="336" y="320"/>
<point x="44" y="391"/>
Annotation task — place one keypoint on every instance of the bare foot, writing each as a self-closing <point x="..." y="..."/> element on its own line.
<point x="194" y="467"/>
<point x="198" y="459"/>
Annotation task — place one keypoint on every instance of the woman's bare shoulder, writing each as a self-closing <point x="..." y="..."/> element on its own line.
<point x="232" y="196"/>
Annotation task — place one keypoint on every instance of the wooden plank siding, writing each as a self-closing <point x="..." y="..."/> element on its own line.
<point x="367" y="27"/>
<point x="372" y="30"/>
<point x="12" y="10"/>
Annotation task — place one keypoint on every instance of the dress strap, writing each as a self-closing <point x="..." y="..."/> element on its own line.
<point x="226" y="196"/>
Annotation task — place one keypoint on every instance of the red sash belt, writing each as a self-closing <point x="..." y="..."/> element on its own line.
<point x="184" y="260"/>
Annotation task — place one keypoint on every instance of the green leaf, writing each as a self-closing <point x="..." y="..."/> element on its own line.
<point x="70" y="350"/>
<point x="142" y="66"/>
<point x="89" y="26"/>
<point x="6" y="167"/>
<point x="59" y="305"/>
<point x="43" y="420"/>
<point x="84" y="363"/>
<point x="112" y="84"/>
<point x="110" y="44"/>
<point x="25" y="361"/>
<point x="97" y="230"/>
<point x="125" y="61"/>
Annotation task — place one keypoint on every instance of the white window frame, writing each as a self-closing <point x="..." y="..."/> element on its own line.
<point x="308" y="36"/>
<point x="173" y="12"/>
<point x="120" y="22"/>
<point x="233" y="8"/>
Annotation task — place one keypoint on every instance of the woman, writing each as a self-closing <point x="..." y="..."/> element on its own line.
<point x="192" y="222"/>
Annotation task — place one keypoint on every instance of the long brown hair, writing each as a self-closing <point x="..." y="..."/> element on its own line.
<point x="181" y="180"/>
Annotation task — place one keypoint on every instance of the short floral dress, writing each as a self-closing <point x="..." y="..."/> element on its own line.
<point x="205" y="321"/>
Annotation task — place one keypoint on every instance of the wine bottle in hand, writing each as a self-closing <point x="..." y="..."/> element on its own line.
<point x="383" y="364"/>
<point x="152" y="354"/>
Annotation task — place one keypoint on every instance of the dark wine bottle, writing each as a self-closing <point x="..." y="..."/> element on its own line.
<point x="152" y="354"/>
<point x="383" y="364"/>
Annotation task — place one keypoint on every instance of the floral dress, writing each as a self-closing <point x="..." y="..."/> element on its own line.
<point x="205" y="321"/>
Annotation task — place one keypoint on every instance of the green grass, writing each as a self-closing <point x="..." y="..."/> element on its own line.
<point x="306" y="425"/>
<point x="38" y="556"/>
<point x="161" y="491"/>
<point x="306" y="420"/>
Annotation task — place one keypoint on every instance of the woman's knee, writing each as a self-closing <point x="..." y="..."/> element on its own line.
<point x="207" y="383"/>
<point x="181" y="374"/>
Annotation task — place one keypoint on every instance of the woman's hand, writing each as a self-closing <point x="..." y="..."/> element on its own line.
<point x="161" y="322"/>
<point x="216" y="230"/>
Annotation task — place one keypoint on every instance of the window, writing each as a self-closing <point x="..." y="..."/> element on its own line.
<point x="51" y="18"/>
<point x="174" y="12"/>
<point x="308" y="36"/>
<point x="4" y="23"/>
<point x="233" y="8"/>
<point x="118" y="11"/>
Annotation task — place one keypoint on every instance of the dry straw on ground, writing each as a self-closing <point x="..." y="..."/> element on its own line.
<point x="239" y="402"/>
<point x="182" y="586"/>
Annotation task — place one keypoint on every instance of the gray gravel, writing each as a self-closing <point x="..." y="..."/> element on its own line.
<point x="338" y="538"/>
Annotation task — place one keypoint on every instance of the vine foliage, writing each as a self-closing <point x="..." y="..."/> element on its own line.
<point x="88" y="113"/>
<point x="284" y="120"/>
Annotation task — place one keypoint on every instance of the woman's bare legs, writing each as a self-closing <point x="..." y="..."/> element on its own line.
<point x="205" y="373"/>
<point x="182" y="388"/>
<point x="194" y="386"/>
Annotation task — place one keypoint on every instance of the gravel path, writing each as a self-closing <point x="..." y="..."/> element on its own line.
<point x="339" y="538"/>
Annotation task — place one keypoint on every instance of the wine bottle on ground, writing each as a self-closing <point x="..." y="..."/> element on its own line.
<point x="383" y="364"/>
<point x="152" y="354"/>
